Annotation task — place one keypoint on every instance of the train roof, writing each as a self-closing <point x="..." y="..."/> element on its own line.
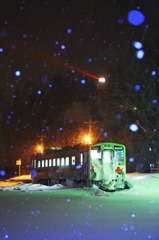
<point x="66" y="149"/>
<point x="108" y="143"/>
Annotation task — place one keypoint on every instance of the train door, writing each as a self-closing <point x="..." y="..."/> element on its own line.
<point x="102" y="164"/>
<point x="95" y="164"/>
<point x="108" y="166"/>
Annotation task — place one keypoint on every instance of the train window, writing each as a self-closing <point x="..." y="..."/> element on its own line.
<point x="42" y="165"/>
<point x="81" y="158"/>
<point x="54" y="162"/>
<point x="50" y="162"/>
<point x="119" y="156"/>
<point x="96" y="154"/>
<point x="67" y="161"/>
<point x="107" y="156"/>
<point x="58" y="161"/>
<point x="85" y="157"/>
<point x="62" y="161"/>
<point x="152" y="165"/>
<point x="46" y="162"/>
<point x="73" y="160"/>
<point x="34" y="163"/>
<point x="38" y="164"/>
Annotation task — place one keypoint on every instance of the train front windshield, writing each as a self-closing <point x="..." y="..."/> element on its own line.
<point x="96" y="153"/>
<point x="105" y="155"/>
<point x="101" y="164"/>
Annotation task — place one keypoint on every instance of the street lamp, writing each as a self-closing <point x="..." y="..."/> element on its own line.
<point x="88" y="139"/>
<point x="101" y="83"/>
<point x="19" y="162"/>
<point x="101" y="80"/>
<point x="39" y="148"/>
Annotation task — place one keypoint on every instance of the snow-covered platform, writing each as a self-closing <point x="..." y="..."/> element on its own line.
<point x="140" y="182"/>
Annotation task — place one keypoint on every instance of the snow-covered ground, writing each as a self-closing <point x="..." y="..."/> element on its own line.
<point x="33" y="211"/>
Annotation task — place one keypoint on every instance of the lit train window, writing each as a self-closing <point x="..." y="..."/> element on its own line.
<point x="119" y="156"/>
<point x="107" y="156"/>
<point x="95" y="154"/>
<point x="39" y="164"/>
<point x="58" y="161"/>
<point x="43" y="163"/>
<point x="34" y="163"/>
<point x="81" y="158"/>
<point x="73" y="160"/>
<point x="46" y="162"/>
<point x="67" y="161"/>
<point x="54" y="162"/>
<point x="62" y="161"/>
<point x="50" y="162"/>
<point x="152" y="165"/>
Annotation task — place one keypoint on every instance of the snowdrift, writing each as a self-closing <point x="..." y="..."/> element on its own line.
<point x="139" y="182"/>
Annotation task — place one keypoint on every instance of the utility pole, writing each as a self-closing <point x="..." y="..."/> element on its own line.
<point x="90" y="123"/>
<point x="42" y="139"/>
<point x="19" y="162"/>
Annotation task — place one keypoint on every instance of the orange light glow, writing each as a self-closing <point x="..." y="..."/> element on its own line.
<point x="39" y="148"/>
<point x="88" y="140"/>
<point x="102" y="80"/>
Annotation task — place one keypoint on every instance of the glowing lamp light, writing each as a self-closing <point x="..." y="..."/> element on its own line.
<point x="101" y="80"/>
<point x="87" y="139"/>
<point x="39" y="148"/>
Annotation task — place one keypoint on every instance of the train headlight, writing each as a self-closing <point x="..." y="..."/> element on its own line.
<point x="93" y="168"/>
<point x="119" y="169"/>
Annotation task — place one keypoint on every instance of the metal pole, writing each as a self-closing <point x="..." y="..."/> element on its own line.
<point x="19" y="169"/>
